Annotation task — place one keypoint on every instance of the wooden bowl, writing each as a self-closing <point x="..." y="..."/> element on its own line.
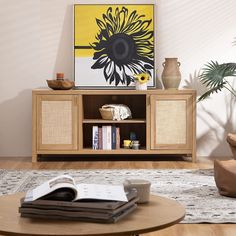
<point x="60" y="84"/>
<point x="106" y="114"/>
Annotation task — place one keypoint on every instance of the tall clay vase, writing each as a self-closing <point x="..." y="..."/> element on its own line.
<point x="171" y="75"/>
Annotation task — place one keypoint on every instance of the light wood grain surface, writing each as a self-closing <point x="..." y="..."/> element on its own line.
<point x="159" y="213"/>
<point x="176" y="230"/>
<point x="63" y="120"/>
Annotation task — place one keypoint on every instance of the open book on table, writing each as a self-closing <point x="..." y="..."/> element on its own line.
<point x="64" y="188"/>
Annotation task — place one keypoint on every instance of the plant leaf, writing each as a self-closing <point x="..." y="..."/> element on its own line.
<point x="214" y="73"/>
<point x="216" y="89"/>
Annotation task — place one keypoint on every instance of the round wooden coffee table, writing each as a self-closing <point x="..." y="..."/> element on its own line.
<point x="159" y="213"/>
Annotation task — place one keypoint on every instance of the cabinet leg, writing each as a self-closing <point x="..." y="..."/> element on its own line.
<point x="34" y="157"/>
<point x="194" y="157"/>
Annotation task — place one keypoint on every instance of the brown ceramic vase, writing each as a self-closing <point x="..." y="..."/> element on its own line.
<point x="171" y="74"/>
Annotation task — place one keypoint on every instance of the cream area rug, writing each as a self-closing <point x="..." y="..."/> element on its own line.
<point x="194" y="189"/>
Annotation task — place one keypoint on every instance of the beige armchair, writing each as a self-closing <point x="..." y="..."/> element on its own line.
<point x="225" y="171"/>
<point x="231" y="139"/>
<point x="225" y="177"/>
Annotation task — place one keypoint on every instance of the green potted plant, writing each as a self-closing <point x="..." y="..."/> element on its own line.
<point x="214" y="77"/>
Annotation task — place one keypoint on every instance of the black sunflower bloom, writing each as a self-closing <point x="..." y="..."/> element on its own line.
<point x="124" y="45"/>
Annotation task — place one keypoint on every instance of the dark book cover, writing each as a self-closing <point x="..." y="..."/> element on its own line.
<point x="113" y="137"/>
<point x="75" y="216"/>
<point x="49" y="205"/>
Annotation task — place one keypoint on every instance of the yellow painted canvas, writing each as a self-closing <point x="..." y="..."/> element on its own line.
<point x="112" y="43"/>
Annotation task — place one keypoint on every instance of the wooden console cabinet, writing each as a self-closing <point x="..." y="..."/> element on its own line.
<point x="164" y="121"/>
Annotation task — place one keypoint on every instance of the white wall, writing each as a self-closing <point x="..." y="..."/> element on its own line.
<point x="197" y="32"/>
<point x="36" y="41"/>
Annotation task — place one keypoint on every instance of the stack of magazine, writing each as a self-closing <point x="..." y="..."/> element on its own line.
<point x="61" y="198"/>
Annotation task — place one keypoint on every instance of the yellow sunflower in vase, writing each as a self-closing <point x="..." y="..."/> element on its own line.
<point x="141" y="81"/>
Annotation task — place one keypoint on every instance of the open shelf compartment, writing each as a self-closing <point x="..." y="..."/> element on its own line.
<point x="125" y="131"/>
<point x="92" y="103"/>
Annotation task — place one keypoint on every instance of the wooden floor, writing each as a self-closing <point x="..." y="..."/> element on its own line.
<point x="180" y="229"/>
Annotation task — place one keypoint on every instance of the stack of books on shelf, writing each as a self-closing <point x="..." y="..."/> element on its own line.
<point x="106" y="137"/>
<point x="60" y="198"/>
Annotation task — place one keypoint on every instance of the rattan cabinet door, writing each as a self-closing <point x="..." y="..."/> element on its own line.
<point x="171" y="121"/>
<point x="56" y="122"/>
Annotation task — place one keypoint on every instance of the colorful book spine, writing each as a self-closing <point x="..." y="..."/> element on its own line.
<point x="109" y="137"/>
<point x="99" y="138"/>
<point x="104" y="137"/>
<point x="113" y="137"/>
<point x="117" y="137"/>
<point x="95" y="137"/>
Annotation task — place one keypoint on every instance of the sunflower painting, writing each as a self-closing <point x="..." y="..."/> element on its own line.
<point x="112" y="43"/>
